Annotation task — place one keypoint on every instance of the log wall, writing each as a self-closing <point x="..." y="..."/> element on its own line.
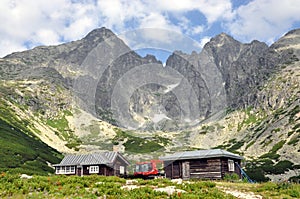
<point x="205" y="168"/>
<point x="211" y="168"/>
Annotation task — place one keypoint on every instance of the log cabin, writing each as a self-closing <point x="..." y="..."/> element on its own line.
<point x="105" y="163"/>
<point x="201" y="164"/>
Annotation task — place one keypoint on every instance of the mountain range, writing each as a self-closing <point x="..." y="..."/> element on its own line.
<point x="97" y="94"/>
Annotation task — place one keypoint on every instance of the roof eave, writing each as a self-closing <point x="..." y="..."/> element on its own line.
<point x="195" y="157"/>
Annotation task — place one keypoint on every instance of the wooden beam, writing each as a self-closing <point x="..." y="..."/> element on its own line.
<point x="172" y="170"/>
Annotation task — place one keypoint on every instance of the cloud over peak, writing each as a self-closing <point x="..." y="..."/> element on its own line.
<point x="27" y="23"/>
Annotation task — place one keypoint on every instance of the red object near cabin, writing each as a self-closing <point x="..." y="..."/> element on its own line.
<point x="149" y="169"/>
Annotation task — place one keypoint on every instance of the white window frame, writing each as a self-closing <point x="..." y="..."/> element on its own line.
<point x="94" y="169"/>
<point x="72" y="169"/>
<point x="122" y="170"/>
<point x="231" y="165"/>
<point x="65" y="170"/>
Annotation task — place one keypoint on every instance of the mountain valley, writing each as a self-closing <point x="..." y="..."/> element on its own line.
<point x="97" y="94"/>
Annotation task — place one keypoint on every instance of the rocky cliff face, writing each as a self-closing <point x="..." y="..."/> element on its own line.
<point x="231" y="72"/>
<point x="62" y="56"/>
<point x="225" y="74"/>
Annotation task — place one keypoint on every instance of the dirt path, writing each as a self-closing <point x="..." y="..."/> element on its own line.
<point x="239" y="194"/>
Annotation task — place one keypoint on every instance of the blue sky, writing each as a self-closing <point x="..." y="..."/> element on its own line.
<point x="165" y="25"/>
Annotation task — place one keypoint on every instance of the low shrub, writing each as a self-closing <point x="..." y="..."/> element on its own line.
<point x="111" y="187"/>
<point x="231" y="177"/>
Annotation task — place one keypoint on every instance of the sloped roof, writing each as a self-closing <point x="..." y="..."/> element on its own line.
<point x="106" y="158"/>
<point x="200" y="154"/>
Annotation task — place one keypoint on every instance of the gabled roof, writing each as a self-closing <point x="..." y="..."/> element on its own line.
<point x="106" y="158"/>
<point x="201" y="154"/>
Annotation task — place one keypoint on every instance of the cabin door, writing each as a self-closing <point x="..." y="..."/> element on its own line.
<point x="80" y="170"/>
<point x="185" y="170"/>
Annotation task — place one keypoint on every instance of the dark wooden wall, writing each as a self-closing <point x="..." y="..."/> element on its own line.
<point x="206" y="168"/>
<point x="211" y="168"/>
<point x="119" y="162"/>
<point x="103" y="170"/>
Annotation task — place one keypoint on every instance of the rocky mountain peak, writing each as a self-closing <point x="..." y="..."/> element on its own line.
<point x="289" y="43"/>
<point x="99" y="34"/>
<point x="293" y="32"/>
<point x="67" y="58"/>
<point x="151" y="59"/>
<point x="221" y="40"/>
<point x="223" y="47"/>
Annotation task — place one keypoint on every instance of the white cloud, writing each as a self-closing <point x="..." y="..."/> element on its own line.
<point x="154" y="14"/>
<point x="197" y="29"/>
<point x="116" y="13"/>
<point x="204" y="40"/>
<point x="26" y="21"/>
<point x="78" y="28"/>
<point x="264" y="20"/>
<point x="78" y="19"/>
<point x="162" y="39"/>
<point x="47" y="22"/>
<point x="112" y="11"/>
<point x="46" y="37"/>
<point x="216" y="10"/>
<point x="157" y="20"/>
<point x="212" y="9"/>
<point x="10" y="46"/>
<point x="43" y="22"/>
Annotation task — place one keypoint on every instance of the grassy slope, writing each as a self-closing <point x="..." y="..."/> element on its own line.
<point x="20" y="150"/>
<point x="24" y="153"/>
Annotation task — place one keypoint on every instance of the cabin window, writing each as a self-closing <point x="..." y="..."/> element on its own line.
<point x="72" y="169"/>
<point x="122" y="170"/>
<point x="57" y="170"/>
<point x="65" y="170"/>
<point x="94" y="169"/>
<point x="230" y="165"/>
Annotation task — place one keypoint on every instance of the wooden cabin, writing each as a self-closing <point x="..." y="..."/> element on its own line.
<point x="201" y="164"/>
<point x="105" y="163"/>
